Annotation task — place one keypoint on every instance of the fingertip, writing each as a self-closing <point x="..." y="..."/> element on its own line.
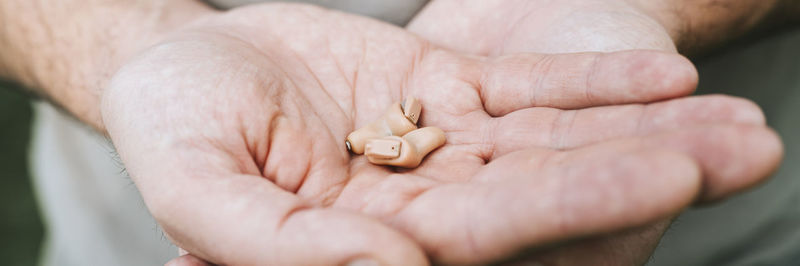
<point x="733" y="158"/>
<point x="761" y="155"/>
<point x="774" y="146"/>
<point x="345" y="238"/>
<point x="741" y="110"/>
<point x="187" y="260"/>
<point x="646" y="76"/>
<point x="704" y="110"/>
<point x="363" y="262"/>
<point x="771" y="149"/>
<point x="671" y="74"/>
<point x="681" y="173"/>
<point x="680" y="75"/>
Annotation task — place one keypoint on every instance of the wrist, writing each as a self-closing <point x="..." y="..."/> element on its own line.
<point x="68" y="57"/>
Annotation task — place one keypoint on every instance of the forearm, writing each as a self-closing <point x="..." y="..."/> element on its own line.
<point x="696" y="25"/>
<point x="66" y="50"/>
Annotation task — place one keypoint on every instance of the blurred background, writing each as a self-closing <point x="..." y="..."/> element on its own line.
<point x="21" y="228"/>
<point x="766" y="71"/>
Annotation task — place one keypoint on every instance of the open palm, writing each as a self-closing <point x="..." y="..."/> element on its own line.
<point x="233" y="131"/>
<point x="593" y="25"/>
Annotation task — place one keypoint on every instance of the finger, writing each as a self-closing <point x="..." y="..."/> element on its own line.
<point x="571" y="81"/>
<point x="557" y="129"/>
<point x="187" y="260"/>
<point x="733" y="157"/>
<point x="549" y="197"/>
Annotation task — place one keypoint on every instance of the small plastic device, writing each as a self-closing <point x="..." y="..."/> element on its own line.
<point x="394" y="139"/>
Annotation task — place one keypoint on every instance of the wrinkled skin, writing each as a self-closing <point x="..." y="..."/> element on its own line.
<point x="233" y="131"/>
<point x="569" y="27"/>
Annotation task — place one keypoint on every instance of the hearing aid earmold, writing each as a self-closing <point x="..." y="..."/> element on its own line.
<point x="396" y="121"/>
<point x="394" y="139"/>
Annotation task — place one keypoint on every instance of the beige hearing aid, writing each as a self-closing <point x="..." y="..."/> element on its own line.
<point x="407" y="151"/>
<point x="398" y="120"/>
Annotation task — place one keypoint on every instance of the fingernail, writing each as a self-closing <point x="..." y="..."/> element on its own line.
<point x="363" y="262"/>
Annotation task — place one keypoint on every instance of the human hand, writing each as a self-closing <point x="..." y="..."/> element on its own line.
<point x="233" y="131"/>
<point x="574" y="26"/>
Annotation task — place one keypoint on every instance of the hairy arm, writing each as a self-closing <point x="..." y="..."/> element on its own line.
<point x="697" y="25"/>
<point x="66" y="50"/>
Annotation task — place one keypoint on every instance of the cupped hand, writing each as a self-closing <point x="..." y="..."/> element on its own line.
<point x="592" y="25"/>
<point x="233" y="131"/>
